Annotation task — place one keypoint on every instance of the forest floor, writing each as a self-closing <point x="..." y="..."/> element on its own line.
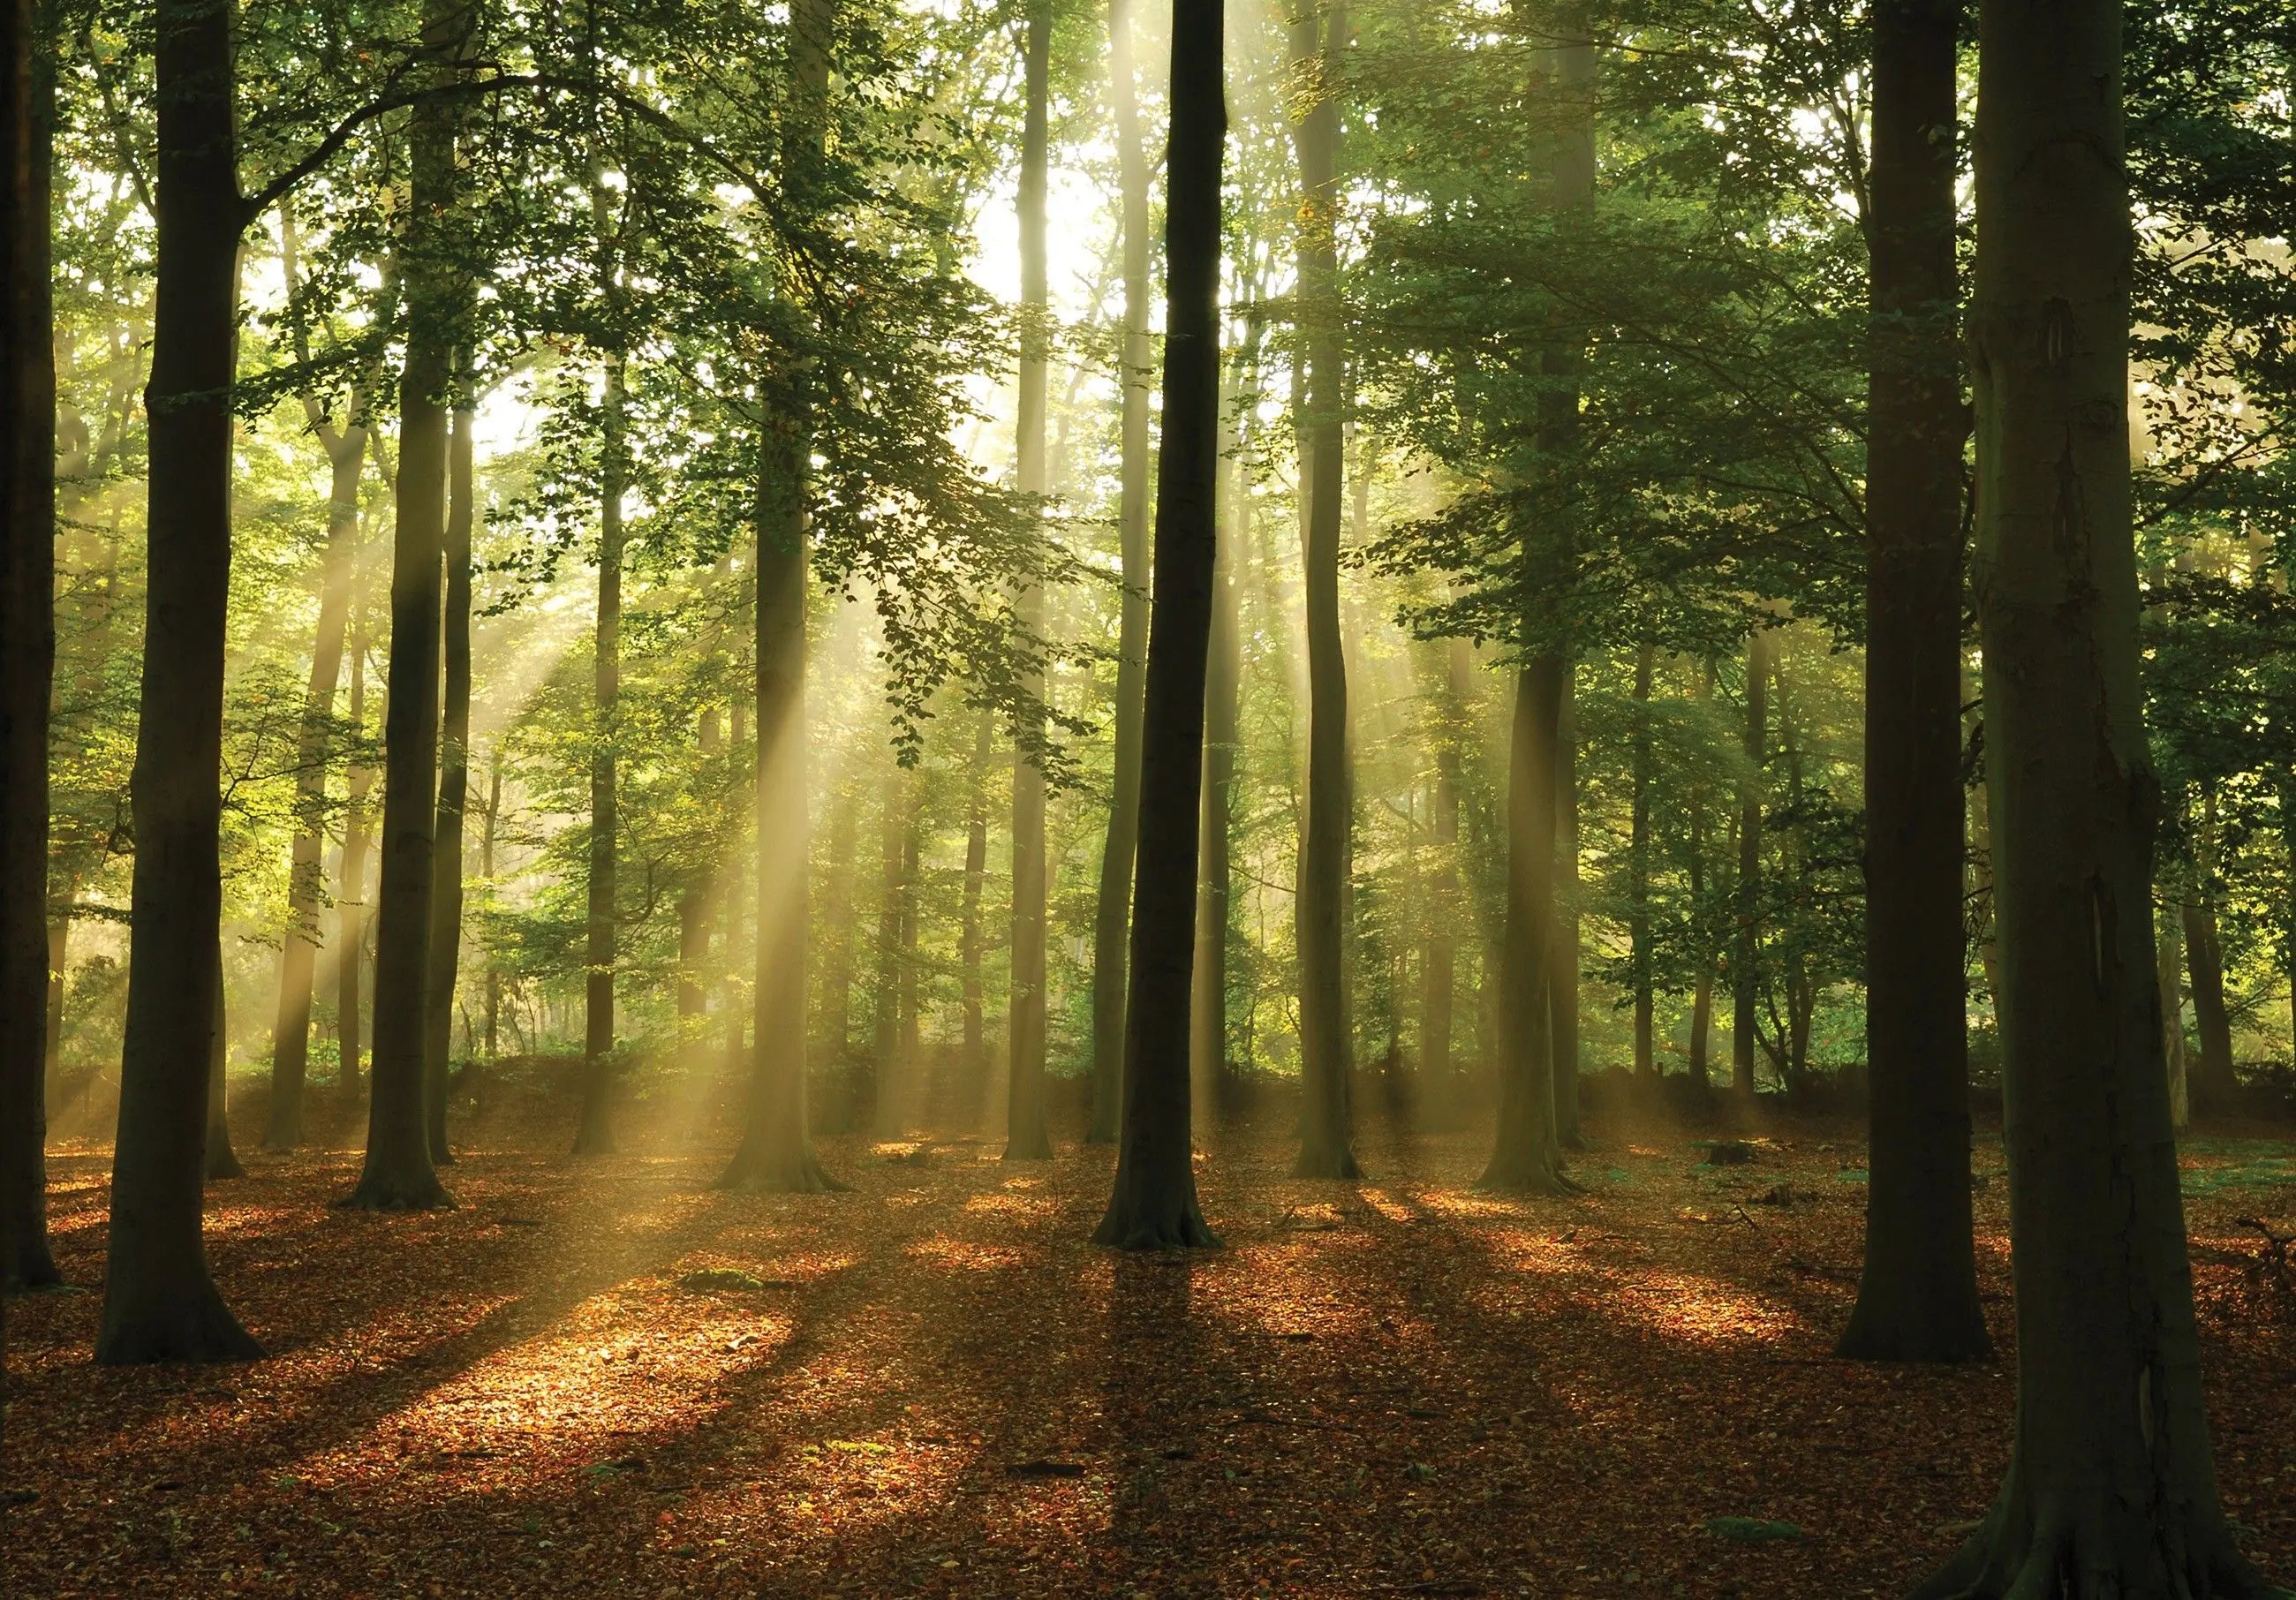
<point x="603" y="1378"/>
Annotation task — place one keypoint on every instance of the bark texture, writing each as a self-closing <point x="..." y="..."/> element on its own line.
<point x="594" y="1134"/>
<point x="1153" y="1203"/>
<point x="453" y="787"/>
<point x="1917" y="1296"/>
<point x="28" y="1023"/>
<point x="1027" y="1136"/>
<point x="219" y="1160"/>
<point x="1745" y="949"/>
<point x="1122" y="842"/>
<point x="160" y="1303"/>
<point x="1318" y="30"/>
<point x="2110" y="1490"/>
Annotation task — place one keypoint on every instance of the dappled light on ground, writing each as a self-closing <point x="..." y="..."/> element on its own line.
<point x="607" y="1377"/>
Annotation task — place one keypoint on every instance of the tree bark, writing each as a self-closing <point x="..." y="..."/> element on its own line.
<point x="1116" y="857"/>
<point x="776" y="1154"/>
<point x="346" y="451"/>
<point x="1745" y="950"/>
<point x="594" y="1136"/>
<point x="30" y="1020"/>
<point x="1525" y="1156"/>
<point x="1318" y="33"/>
<point x="1563" y="955"/>
<point x="696" y="911"/>
<point x="1222" y="687"/>
<point x="2169" y="966"/>
<point x="1447" y="911"/>
<point x="973" y="1050"/>
<point x="2110" y="1490"/>
<point x="218" y="1159"/>
<point x="398" y="1175"/>
<point x="2214" y="1088"/>
<point x="1702" y="993"/>
<point x="453" y="784"/>
<point x="1638" y="867"/>
<point x="351" y="902"/>
<point x="1027" y="1136"/>
<point x="160" y="1303"/>
<point x="487" y="877"/>
<point x="1917" y="1296"/>
<point x="1153" y="1202"/>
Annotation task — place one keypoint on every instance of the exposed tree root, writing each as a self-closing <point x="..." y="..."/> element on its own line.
<point x="788" y="1172"/>
<point x="1517" y="1175"/>
<point x="1151" y="1226"/>
<point x="2101" y="1552"/>
<point x="190" y="1324"/>
<point x="1318" y="1159"/>
<point x="393" y="1192"/>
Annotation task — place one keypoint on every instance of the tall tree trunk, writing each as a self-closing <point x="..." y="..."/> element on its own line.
<point x="350" y="893"/>
<point x="696" y="910"/>
<point x="1152" y="1205"/>
<point x="973" y="1056"/>
<point x="1525" y="1155"/>
<point x="2169" y="966"/>
<point x="1439" y="961"/>
<point x="1638" y="865"/>
<point x="1746" y="980"/>
<point x="836" y="978"/>
<point x="346" y="451"/>
<point x="2214" y="1088"/>
<point x="1116" y="857"/>
<point x="399" y="1174"/>
<point x="453" y="784"/>
<point x="2110" y="1490"/>
<point x="1702" y="993"/>
<point x="1917" y="1297"/>
<point x="899" y="1076"/>
<point x="30" y="997"/>
<point x="1027" y="1136"/>
<point x="1563" y="955"/>
<point x="885" y="989"/>
<point x="1318" y="33"/>
<point x="217" y="1159"/>
<point x="594" y="1136"/>
<point x="160" y="1303"/>
<point x="1223" y="688"/>
<point x="487" y="877"/>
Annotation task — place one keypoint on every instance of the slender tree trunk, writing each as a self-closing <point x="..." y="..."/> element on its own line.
<point x="30" y="981"/>
<point x="350" y="897"/>
<point x="1702" y="993"/>
<point x="1109" y="928"/>
<point x="1318" y="35"/>
<point x="885" y="991"/>
<point x="453" y="785"/>
<point x="2214" y="1088"/>
<point x="218" y="1159"/>
<point x="1917" y="1297"/>
<point x="398" y="1175"/>
<point x="595" y="1134"/>
<point x="1222" y="687"/>
<point x="1153" y="1202"/>
<point x="346" y="451"/>
<point x="2110" y="1490"/>
<point x="1562" y="956"/>
<point x="487" y="877"/>
<point x="1447" y="913"/>
<point x="1638" y="865"/>
<point x="899" y="1077"/>
<point x="2169" y="966"/>
<point x="1027" y="1136"/>
<point x="1746" y="947"/>
<point x="837" y="981"/>
<point x="973" y="1069"/>
<point x="696" y="911"/>
<point x="160" y="1303"/>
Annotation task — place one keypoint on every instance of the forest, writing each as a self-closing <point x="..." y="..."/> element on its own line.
<point x="1148" y="797"/>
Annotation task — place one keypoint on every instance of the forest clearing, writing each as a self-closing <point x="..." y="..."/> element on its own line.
<point x="609" y="1378"/>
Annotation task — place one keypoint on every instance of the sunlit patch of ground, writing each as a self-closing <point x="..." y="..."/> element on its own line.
<point x="604" y="1377"/>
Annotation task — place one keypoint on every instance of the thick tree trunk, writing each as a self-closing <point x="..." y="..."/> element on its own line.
<point x="1525" y="1156"/>
<point x="1319" y="31"/>
<point x="1638" y="865"/>
<point x="350" y="893"/>
<point x="398" y="1175"/>
<point x="2214" y="1088"/>
<point x="160" y="1303"/>
<point x="2110" y="1490"/>
<point x="1153" y="1203"/>
<point x="1917" y="1298"/>
<point x="1746" y="979"/>
<point x="30" y="1020"/>
<point x="1027" y="1136"/>
<point x="218" y="1159"/>
<point x="453" y="787"/>
<point x="594" y="1134"/>
<point x="1116" y="857"/>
